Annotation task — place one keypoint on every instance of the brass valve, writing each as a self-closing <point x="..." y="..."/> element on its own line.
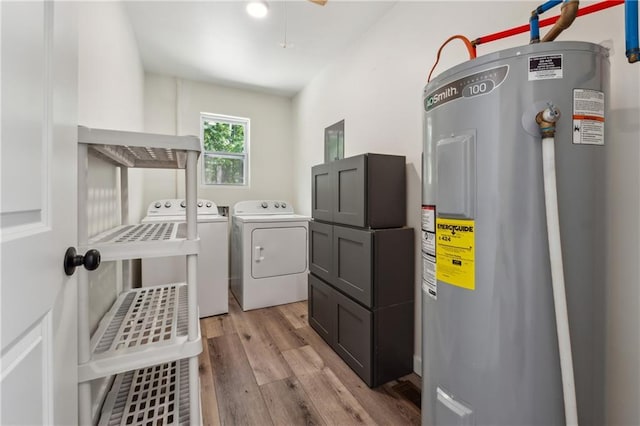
<point x="546" y="120"/>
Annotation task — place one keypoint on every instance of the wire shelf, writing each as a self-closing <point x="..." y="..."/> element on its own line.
<point x="156" y="395"/>
<point x="136" y="149"/>
<point x="144" y="240"/>
<point x="144" y="324"/>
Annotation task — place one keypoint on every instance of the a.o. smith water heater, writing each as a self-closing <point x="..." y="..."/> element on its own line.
<point x="490" y="347"/>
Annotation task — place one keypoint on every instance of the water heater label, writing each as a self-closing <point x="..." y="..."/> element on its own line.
<point x="429" y="230"/>
<point x="588" y="117"/>
<point x="476" y="84"/>
<point x="429" y="243"/>
<point x="429" y="282"/>
<point x="429" y="218"/>
<point x="455" y="252"/>
<point x="545" y="67"/>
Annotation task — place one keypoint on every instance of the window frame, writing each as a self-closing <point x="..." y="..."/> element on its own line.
<point x="228" y="119"/>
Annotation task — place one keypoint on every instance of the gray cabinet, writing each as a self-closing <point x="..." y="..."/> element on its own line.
<point x="373" y="266"/>
<point x="361" y="264"/>
<point x="368" y="190"/>
<point x="377" y="344"/>
<point x="361" y="297"/>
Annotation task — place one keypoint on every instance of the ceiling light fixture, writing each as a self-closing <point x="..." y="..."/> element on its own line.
<point x="257" y="9"/>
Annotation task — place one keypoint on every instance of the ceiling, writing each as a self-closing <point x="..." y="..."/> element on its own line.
<point x="218" y="42"/>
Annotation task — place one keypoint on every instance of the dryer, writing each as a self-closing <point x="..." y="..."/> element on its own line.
<point x="269" y="260"/>
<point x="213" y="259"/>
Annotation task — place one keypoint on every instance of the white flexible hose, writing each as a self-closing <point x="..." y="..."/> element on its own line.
<point x="557" y="279"/>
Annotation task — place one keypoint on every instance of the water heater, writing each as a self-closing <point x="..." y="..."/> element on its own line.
<point x="489" y="350"/>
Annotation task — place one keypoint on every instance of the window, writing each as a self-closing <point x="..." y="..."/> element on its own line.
<point x="225" y="142"/>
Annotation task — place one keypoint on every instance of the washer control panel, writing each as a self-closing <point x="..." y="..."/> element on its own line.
<point x="260" y="207"/>
<point x="178" y="207"/>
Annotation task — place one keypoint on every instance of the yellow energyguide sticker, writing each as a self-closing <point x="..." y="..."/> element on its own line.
<point x="455" y="252"/>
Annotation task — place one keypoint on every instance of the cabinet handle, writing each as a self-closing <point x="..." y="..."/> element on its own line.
<point x="90" y="260"/>
<point x="258" y="254"/>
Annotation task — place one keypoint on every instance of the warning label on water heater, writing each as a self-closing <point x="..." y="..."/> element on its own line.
<point x="545" y="67"/>
<point x="588" y="117"/>
<point x="429" y="283"/>
<point x="455" y="252"/>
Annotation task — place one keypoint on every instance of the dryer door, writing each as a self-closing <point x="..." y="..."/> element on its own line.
<point x="278" y="251"/>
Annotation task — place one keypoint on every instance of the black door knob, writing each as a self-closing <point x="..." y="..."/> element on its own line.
<point x="90" y="260"/>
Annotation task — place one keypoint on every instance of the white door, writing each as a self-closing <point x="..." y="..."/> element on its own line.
<point x="278" y="251"/>
<point x="38" y="333"/>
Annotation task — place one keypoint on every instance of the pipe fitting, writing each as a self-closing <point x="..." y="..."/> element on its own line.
<point x="632" y="42"/>
<point x="568" y="13"/>
<point x="546" y="120"/>
<point x="534" y="27"/>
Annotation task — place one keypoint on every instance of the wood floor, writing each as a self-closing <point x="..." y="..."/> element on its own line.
<point x="268" y="366"/>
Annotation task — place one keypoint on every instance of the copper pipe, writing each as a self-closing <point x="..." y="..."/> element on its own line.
<point x="568" y="14"/>
<point x="605" y="4"/>
<point x="546" y="120"/>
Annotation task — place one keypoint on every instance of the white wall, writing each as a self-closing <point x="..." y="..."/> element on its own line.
<point x="160" y="117"/>
<point x="111" y="80"/>
<point x="175" y="105"/>
<point x="110" y="95"/>
<point x="377" y="87"/>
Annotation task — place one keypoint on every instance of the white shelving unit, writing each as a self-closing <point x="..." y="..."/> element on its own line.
<point x="150" y="338"/>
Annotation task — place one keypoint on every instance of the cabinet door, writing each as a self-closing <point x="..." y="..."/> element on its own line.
<point x="322" y="308"/>
<point x="352" y="262"/>
<point x="320" y="246"/>
<point x="353" y="335"/>
<point x="349" y="191"/>
<point x="322" y="192"/>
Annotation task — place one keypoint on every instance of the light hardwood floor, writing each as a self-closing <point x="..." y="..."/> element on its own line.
<point x="268" y="366"/>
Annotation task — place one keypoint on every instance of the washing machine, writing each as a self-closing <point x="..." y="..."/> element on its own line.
<point x="269" y="261"/>
<point x="213" y="260"/>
